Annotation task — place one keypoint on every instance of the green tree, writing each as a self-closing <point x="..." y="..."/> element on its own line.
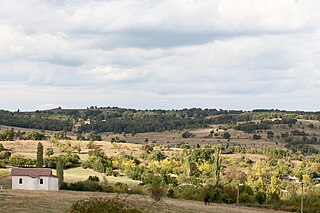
<point x="226" y="135"/>
<point x="78" y="148"/>
<point x="49" y="152"/>
<point x="95" y="136"/>
<point x="217" y="160"/>
<point x="39" y="163"/>
<point x="34" y="135"/>
<point x="59" y="168"/>
<point x="270" y="134"/>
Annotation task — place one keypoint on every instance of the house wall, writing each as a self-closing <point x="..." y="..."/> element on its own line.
<point x="29" y="183"/>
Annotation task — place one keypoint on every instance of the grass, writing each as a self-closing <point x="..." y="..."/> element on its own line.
<point x="81" y="174"/>
<point x="315" y="146"/>
<point x="4" y="171"/>
<point x="60" y="201"/>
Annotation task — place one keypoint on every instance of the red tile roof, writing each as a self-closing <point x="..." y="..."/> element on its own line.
<point x="32" y="172"/>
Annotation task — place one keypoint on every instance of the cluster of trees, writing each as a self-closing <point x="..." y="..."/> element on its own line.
<point x="98" y="161"/>
<point x="34" y="120"/>
<point x="11" y="134"/>
<point x="251" y="127"/>
<point x="120" y="120"/>
<point x="7" y="135"/>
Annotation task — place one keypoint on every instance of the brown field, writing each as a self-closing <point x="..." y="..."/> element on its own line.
<point x="133" y="143"/>
<point x="60" y="201"/>
<point x="29" y="148"/>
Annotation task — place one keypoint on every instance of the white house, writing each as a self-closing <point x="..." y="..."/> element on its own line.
<point x="34" y="179"/>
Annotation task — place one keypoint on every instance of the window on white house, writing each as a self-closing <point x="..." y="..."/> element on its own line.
<point x="20" y="181"/>
<point x="41" y="181"/>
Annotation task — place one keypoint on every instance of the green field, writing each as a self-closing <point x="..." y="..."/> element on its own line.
<point x="4" y="171"/>
<point x="80" y="174"/>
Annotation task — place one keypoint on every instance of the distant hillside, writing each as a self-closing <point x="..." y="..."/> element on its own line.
<point x="118" y="120"/>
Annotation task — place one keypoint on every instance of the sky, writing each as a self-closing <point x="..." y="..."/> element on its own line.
<point x="151" y="54"/>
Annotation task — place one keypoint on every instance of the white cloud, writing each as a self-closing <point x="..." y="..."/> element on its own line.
<point x="140" y="53"/>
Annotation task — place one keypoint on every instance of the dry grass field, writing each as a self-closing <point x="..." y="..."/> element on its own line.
<point x="133" y="143"/>
<point x="28" y="148"/>
<point x="60" y="201"/>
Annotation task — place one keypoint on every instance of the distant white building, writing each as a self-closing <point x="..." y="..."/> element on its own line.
<point x="34" y="179"/>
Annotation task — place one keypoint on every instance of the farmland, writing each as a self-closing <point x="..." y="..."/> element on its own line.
<point x="218" y="154"/>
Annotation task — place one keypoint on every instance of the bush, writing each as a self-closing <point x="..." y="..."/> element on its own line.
<point x="226" y="135"/>
<point x="87" y="185"/>
<point x="245" y="198"/>
<point x="69" y="161"/>
<point x="2" y="164"/>
<point x="34" y="135"/>
<point x="94" y="178"/>
<point x="102" y="205"/>
<point x="156" y="192"/>
<point x="5" y="155"/>
<point x="188" y="135"/>
<point x="216" y="194"/>
<point x="256" y="137"/>
<point x="260" y="197"/>
<point x="20" y="161"/>
<point x="120" y="188"/>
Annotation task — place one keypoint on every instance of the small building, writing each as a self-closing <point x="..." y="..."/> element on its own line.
<point x="34" y="179"/>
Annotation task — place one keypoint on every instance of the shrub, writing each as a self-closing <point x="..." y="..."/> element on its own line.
<point x="120" y="188"/>
<point x="21" y="161"/>
<point x="5" y="155"/>
<point x="256" y="137"/>
<point x="188" y="135"/>
<point x="87" y="185"/>
<point x="102" y="205"/>
<point x="216" y="194"/>
<point x="156" y="192"/>
<point x="94" y="178"/>
<point x="260" y="197"/>
<point x="2" y="164"/>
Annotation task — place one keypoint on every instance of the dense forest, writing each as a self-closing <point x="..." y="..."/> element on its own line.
<point x="119" y="120"/>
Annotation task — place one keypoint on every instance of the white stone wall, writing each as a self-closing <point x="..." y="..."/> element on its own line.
<point x="28" y="183"/>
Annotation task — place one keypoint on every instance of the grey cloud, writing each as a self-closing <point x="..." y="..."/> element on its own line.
<point x="157" y="54"/>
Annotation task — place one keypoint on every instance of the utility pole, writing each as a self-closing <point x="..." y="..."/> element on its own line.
<point x="238" y="193"/>
<point x="301" y="197"/>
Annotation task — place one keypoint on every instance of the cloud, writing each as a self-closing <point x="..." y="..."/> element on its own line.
<point x="160" y="53"/>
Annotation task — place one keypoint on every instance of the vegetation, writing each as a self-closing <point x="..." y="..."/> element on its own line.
<point x="257" y="154"/>
<point x="103" y="205"/>
<point x="59" y="169"/>
<point x="39" y="163"/>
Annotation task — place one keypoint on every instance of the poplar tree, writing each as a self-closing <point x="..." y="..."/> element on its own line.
<point x="59" y="168"/>
<point x="39" y="163"/>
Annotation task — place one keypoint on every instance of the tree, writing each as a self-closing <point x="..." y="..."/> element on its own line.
<point x="270" y="134"/>
<point x="59" y="168"/>
<point x="256" y="137"/>
<point x="217" y="159"/>
<point x="95" y="136"/>
<point x="34" y="135"/>
<point x="49" y="152"/>
<point x="226" y="135"/>
<point x="39" y="163"/>
<point x="187" y="135"/>
<point x="78" y="148"/>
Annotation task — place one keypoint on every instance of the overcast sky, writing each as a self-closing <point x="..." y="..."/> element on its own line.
<point x="230" y="54"/>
